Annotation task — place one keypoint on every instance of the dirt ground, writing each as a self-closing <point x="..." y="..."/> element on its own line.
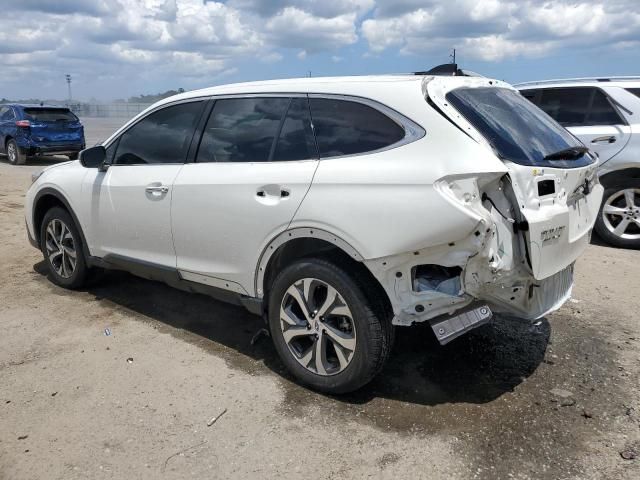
<point x="558" y="399"/>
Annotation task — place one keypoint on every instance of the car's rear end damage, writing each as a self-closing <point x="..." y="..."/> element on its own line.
<point x="531" y="222"/>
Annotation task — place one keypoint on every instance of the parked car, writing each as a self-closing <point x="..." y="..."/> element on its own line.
<point x="337" y="208"/>
<point x="37" y="130"/>
<point x="605" y="114"/>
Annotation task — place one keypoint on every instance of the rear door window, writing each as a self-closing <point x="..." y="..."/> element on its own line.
<point x="46" y="115"/>
<point x="344" y="127"/>
<point x="243" y="130"/>
<point x="6" y="114"/>
<point x="568" y="106"/>
<point x="296" y="141"/>
<point x="163" y="136"/>
<point x="578" y="106"/>
<point x="516" y="129"/>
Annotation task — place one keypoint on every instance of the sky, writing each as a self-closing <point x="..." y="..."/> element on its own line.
<point x="120" y="48"/>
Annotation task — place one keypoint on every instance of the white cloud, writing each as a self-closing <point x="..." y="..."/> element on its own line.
<point x="122" y="46"/>
<point x="497" y="29"/>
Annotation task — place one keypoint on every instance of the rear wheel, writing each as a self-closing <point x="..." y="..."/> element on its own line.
<point x="73" y="156"/>
<point x="62" y="247"/>
<point x="15" y="156"/>
<point x="326" y="331"/>
<point x="618" y="220"/>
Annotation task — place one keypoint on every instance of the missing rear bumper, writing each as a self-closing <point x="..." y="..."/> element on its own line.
<point x="451" y="327"/>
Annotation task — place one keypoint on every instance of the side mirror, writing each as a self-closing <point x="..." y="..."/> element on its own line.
<point x="93" y="157"/>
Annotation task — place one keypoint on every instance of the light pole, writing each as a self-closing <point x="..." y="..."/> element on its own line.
<point x="68" y="77"/>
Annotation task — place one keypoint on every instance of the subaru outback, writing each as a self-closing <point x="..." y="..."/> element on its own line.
<point x="336" y="208"/>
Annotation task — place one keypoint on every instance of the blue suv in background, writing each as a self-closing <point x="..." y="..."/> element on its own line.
<point x="36" y="130"/>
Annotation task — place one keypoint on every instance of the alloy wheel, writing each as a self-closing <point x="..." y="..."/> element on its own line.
<point x="318" y="326"/>
<point x="621" y="214"/>
<point x="61" y="249"/>
<point x="12" y="153"/>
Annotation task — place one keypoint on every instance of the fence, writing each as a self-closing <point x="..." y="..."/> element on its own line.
<point x="108" y="110"/>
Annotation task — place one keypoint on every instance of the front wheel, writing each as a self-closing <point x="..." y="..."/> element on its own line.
<point x="618" y="221"/>
<point x="326" y="331"/>
<point x="63" y="250"/>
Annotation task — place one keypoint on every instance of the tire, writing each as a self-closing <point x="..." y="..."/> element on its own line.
<point x="625" y="199"/>
<point x="360" y="326"/>
<point x="15" y="156"/>
<point x="63" y="271"/>
<point x="73" y="156"/>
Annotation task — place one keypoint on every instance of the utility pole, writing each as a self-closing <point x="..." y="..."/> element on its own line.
<point x="68" y="77"/>
<point x="453" y="56"/>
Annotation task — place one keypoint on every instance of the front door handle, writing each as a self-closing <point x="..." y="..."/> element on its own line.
<point x="605" y="139"/>
<point x="157" y="189"/>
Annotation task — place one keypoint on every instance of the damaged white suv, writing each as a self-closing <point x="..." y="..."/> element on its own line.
<point x="337" y="208"/>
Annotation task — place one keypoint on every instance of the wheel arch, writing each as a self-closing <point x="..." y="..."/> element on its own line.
<point x="302" y="242"/>
<point x="46" y="199"/>
<point x="612" y="179"/>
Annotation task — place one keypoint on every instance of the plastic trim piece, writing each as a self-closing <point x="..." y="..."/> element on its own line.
<point x="293" y="234"/>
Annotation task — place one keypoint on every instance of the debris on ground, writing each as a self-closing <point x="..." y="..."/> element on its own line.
<point x="107" y="332"/>
<point x="567" y="402"/>
<point x="629" y="454"/>
<point x="587" y="413"/>
<point x="263" y="332"/>
<point x="130" y="360"/>
<point x="164" y="466"/>
<point x="215" y="419"/>
<point x="23" y="437"/>
<point x="54" y="394"/>
<point x="559" y="392"/>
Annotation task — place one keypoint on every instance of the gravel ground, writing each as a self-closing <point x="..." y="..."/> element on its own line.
<point x="551" y="400"/>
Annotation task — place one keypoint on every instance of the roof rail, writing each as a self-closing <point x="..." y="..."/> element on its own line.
<point x="577" y="80"/>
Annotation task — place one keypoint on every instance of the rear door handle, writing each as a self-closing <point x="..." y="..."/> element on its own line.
<point x="606" y="138"/>
<point x="157" y="189"/>
<point x="263" y="192"/>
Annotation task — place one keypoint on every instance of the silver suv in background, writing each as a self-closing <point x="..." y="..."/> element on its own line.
<point x="604" y="113"/>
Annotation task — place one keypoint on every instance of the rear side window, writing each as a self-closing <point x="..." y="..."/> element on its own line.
<point x="345" y="127"/>
<point x="161" y="137"/>
<point x="242" y="129"/>
<point x="573" y="107"/>
<point x="49" y="115"/>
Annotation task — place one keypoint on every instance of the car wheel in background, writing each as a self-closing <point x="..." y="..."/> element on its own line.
<point x="73" y="156"/>
<point x="618" y="221"/>
<point x="326" y="331"/>
<point x="16" y="157"/>
<point x="63" y="251"/>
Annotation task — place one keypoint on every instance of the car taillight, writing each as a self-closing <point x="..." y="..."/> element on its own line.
<point x="23" y="123"/>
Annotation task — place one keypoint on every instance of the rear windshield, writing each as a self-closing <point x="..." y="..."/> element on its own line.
<point x="49" y="115"/>
<point x="517" y="130"/>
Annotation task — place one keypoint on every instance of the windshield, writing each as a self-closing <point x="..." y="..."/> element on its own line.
<point x="518" y="130"/>
<point x="49" y="115"/>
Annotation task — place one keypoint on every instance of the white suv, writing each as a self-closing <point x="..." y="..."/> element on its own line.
<point x="337" y="208"/>
<point x="605" y="114"/>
